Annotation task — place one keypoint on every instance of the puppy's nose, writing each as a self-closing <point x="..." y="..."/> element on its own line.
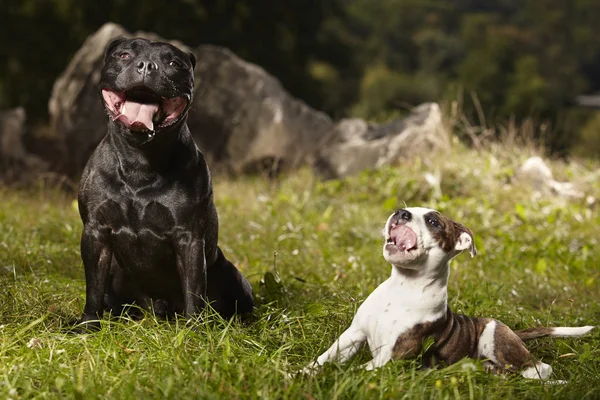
<point x="403" y="215"/>
<point x="145" y="66"/>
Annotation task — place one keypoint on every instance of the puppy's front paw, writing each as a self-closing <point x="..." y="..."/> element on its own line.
<point x="369" y="366"/>
<point x="310" y="370"/>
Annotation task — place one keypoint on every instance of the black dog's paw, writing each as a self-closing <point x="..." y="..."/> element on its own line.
<point x="160" y="308"/>
<point x="85" y="326"/>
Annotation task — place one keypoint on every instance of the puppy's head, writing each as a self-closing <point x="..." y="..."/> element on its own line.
<point x="146" y="86"/>
<point x="417" y="238"/>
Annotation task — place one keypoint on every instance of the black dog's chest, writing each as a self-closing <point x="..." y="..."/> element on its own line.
<point x="141" y="232"/>
<point x="136" y="216"/>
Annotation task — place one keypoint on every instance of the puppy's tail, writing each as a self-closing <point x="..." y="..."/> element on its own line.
<point x="561" y="331"/>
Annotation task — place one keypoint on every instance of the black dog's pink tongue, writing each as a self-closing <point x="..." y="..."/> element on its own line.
<point x="404" y="237"/>
<point x="138" y="115"/>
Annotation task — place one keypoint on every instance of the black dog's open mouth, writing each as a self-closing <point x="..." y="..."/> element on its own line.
<point x="141" y="109"/>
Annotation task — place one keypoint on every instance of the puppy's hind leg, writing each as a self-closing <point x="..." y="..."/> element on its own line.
<point x="539" y="370"/>
<point x="503" y="347"/>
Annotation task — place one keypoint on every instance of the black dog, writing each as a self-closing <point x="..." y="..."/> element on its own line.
<point x="146" y="197"/>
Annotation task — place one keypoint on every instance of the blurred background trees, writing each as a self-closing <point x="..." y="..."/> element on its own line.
<point x="514" y="59"/>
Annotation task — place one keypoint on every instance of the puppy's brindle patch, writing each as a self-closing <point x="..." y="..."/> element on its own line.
<point x="454" y="337"/>
<point x="419" y="243"/>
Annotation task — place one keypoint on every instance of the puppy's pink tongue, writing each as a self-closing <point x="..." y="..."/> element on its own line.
<point x="404" y="237"/>
<point x="138" y="114"/>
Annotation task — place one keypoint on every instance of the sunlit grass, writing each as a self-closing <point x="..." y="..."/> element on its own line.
<point x="312" y="251"/>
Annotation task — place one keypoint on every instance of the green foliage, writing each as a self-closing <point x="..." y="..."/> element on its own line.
<point x="312" y="252"/>
<point x="526" y="88"/>
<point x="588" y="144"/>
<point x="383" y="92"/>
<point x="369" y="58"/>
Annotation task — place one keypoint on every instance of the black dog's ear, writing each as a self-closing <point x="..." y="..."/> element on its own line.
<point x="111" y="46"/>
<point x="192" y="59"/>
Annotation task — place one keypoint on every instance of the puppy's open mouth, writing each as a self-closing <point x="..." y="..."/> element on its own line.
<point x="403" y="238"/>
<point x="141" y="109"/>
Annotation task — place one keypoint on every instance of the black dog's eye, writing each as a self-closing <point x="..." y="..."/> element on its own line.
<point x="174" y="63"/>
<point x="434" y="222"/>
<point x="124" y="55"/>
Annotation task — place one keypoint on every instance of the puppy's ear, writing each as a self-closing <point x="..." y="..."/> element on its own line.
<point x="465" y="242"/>
<point x="192" y="59"/>
<point x="111" y="46"/>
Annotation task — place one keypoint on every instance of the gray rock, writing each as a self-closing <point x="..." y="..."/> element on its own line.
<point x="536" y="173"/>
<point x="355" y="145"/>
<point x="16" y="163"/>
<point x="241" y="117"/>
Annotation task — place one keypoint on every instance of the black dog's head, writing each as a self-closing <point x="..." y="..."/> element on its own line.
<point x="146" y="86"/>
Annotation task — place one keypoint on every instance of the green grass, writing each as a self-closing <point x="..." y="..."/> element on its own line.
<point x="312" y="251"/>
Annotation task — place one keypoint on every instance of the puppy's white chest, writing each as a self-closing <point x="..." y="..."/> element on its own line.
<point x="389" y="312"/>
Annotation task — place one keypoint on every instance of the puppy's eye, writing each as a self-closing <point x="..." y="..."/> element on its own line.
<point x="434" y="222"/>
<point x="124" y="55"/>
<point x="174" y="63"/>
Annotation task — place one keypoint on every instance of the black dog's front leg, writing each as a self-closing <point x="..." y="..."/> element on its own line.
<point x="191" y="266"/>
<point x="97" y="256"/>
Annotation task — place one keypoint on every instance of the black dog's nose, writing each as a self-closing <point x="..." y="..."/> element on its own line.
<point x="402" y="214"/>
<point x="145" y="66"/>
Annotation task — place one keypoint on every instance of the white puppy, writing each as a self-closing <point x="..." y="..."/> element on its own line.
<point x="413" y="305"/>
